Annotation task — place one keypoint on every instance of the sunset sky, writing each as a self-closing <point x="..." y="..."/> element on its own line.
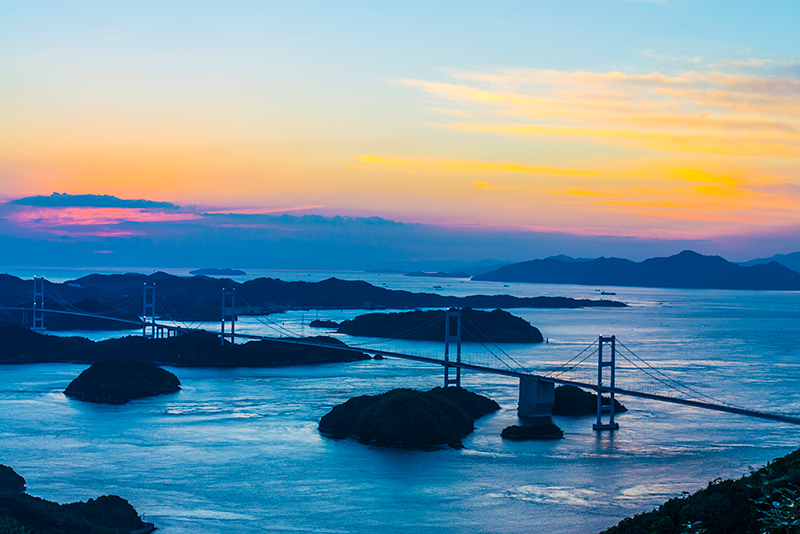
<point x="674" y="120"/>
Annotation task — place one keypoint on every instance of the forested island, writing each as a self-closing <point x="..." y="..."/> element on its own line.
<point x="572" y="400"/>
<point x="497" y="326"/>
<point x="119" y="380"/>
<point x="409" y="418"/>
<point x="21" y="513"/>
<point x="119" y="296"/>
<point x="194" y="349"/>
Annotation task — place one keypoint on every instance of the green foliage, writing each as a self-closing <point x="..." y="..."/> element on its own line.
<point x="9" y="525"/>
<point x="779" y="504"/>
<point x="766" y="501"/>
<point x="38" y="516"/>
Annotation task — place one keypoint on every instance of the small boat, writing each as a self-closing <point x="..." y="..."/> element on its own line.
<point x="607" y="293"/>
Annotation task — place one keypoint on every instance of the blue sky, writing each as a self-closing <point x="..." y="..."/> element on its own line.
<point x="673" y="121"/>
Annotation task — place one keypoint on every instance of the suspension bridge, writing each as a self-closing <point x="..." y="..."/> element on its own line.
<point x="536" y="389"/>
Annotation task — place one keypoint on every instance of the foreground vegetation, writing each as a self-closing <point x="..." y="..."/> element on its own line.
<point x="21" y="513"/>
<point x="766" y="501"/>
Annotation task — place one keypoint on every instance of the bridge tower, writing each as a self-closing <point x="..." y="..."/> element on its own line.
<point x="228" y="314"/>
<point x="611" y="343"/>
<point x="38" y="304"/>
<point x="149" y="311"/>
<point x="452" y="335"/>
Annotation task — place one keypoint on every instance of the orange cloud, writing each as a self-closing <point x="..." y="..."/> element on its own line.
<point x="692" y="112"/>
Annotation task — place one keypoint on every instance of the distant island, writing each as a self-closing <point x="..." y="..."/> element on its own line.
<point x="440" y="274"/>
<point x="218" y="272"/>
<point x="498" y="326"/>
<point x="408" y="418"/>
<point x="119" y="380"/>
<point x="687" y="270"/>
<point x="21" y="513"/>
<point x="195" y="349"/>
<point x="572" y="400"/>
<point x="322" y="323"/>
<point x="197" y="298"/>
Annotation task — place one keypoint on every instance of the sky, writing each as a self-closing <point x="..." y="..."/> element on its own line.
<point x="587" y="127"/>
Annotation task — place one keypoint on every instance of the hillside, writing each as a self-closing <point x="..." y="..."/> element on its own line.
<point x="687" y="270"/>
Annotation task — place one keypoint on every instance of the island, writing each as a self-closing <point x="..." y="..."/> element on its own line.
<point x="109" y="514"/>
<point x="217" y="272"/>
<point x="118" y="298"/>
<point x="572" y="400"/>
<point x="497" y="326"/>
<point x="532" y="432"/>
<point x="408" y="418"/>
<point x="119" y="380"/>
<point x="193" y="349"/>
<point x="322" y="323"/>
<point x="10" y="480"/>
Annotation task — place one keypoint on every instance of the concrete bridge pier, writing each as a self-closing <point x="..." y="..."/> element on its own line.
<point x="536" y="397"/>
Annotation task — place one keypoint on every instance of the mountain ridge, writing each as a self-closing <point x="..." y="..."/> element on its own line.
<point x="685" y="270"/>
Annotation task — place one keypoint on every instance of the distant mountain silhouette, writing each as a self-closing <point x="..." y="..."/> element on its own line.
<point x="688" y="270"/>
<point x="792" y="261"/>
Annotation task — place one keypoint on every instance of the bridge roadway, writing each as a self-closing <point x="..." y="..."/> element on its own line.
<point x="466" y="366"/>
<point x="543" y="378"/>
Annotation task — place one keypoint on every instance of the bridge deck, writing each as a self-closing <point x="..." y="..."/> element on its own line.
<point x="469" y="367"/>
<point x="561" y="381"/>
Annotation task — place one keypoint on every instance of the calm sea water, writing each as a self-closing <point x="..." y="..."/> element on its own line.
<point x="238" y="450"/>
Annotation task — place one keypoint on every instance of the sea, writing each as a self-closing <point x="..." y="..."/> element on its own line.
<point x="238" y="450"/>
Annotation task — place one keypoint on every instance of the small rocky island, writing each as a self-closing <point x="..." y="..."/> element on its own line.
<point x="572" y="400"/>
<point x="323" y="323"/>
<point x="118" y="380"/>
<point x="533" y="432"/>
<point x="498" y="326"/>
<point x="22" y="513"/>
<point x="408" y="418"/>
